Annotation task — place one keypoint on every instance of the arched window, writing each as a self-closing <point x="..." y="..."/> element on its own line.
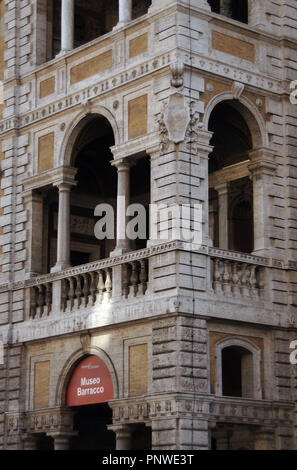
<point x="230" y="188"/>
<point x="237" y="372"/>
<point x="235" y="9"/>
<point x="238" y="366"/>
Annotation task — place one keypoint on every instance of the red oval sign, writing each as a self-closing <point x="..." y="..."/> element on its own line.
<point x="90" y="383"/>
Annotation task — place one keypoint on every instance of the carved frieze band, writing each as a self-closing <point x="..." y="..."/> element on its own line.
<point x="152" y="408"/>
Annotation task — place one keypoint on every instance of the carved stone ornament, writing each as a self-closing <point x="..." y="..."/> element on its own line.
<point x="237" y="90"/>
<point x="177" y="69"/>
<point x="85" y="340"/>
<point x="176" y="118"/>
<point x="192" y="132"/>
<point x="164" y="138"/>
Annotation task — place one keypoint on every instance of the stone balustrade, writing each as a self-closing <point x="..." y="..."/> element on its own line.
<point x="135" y="277"/>
<point x="237" y="278"/>
<point x="86" y="289"/>
<point x="41" y="300"/>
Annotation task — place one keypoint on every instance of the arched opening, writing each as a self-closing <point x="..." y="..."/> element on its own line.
<point x="237" y="372"/>
<point x="89" y="388"/>
<point x="90" y="422"/>
<point x="230" y="187"/>
<point x="96" y="182"/>
<point x="235" y="9"/>
<point x="44" y="442"/>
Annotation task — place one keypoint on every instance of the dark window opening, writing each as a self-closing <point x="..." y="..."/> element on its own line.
<point x="241" y="219"/>
<point x="232" y="139"/>
<point x="235" y="9"/>
<point x="44" y="442"/>
<point x="237" y="372"/>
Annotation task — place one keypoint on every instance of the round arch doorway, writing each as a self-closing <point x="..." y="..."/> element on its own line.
<point x="90" y="422"/>
<point x="89" y="389"/>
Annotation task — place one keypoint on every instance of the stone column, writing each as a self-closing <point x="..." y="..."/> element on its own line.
<point x="67" y="26"/>
<point x="125" y="12"/>
<point x="154" y="154"/>
<point x="226" y="8"/>
<point x="262" y="170"/>
<point x="123" y="436"/>
<point x="222" y="191"/>
<point x="64" y="228"/>
<point x="34" y="203"/>
<point x="123" y="201"/>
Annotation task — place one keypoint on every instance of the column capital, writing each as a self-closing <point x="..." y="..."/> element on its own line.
<point x="65" y="176"/>
<point x="222" y="188"/>
<point x="154" y="151"/>
<point x="123" y="164"/>
<point x="123" y="430"/>
<point x="65" y="186"/>
<point x="262" y="167"/>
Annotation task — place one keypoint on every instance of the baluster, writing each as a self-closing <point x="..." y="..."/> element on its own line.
<point x="217" y="284"/>
<point x="40" y="301"/>
<point x="254" y="282"/>
<point x="78" y="290"/>
<point x="64" y="295"/>
<point x="33" y="301"/>
<point x="143" y="277"/>
<point x="101" y="286"/>
<point x="93" y="287"/>
<point x="134" y="279"/>
<point x="71" y="292"/>
<point x="125" y="280"/>
<point x="86" y="289"/>
<point x="235" y="279"/>
<point x="48" y="297"/>
<point x="244" y="280"/>
<point x="226" y="277"/>
<point x="108" y="283"/>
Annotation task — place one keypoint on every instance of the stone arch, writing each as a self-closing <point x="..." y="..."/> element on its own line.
<point x="77" y="125"/>
<point x="248" y="345"/>
<point x="248" y="111"/>
<point x="71" y="364"/>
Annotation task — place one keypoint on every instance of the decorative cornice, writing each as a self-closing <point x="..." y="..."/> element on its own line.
<point x="54" y="177"/>
<point x="110" y="83"/>
<point x="208" y="407"/>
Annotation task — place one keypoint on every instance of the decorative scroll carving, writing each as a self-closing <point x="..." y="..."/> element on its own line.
<point x="164" y="136"/>
<point x="192" y="133"/>
<point x="237" y="90"/>
<point x="177" y="70"/>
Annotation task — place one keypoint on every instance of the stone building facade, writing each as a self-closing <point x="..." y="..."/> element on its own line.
<point x="173" y="102"/>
